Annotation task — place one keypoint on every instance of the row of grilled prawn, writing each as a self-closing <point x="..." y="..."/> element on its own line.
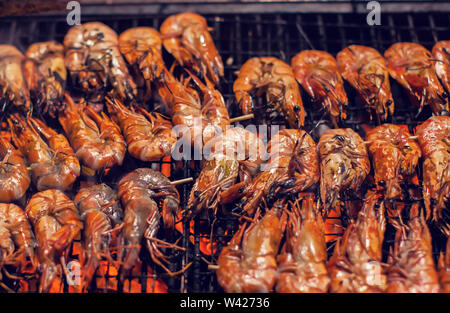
<point x="423" y="74"/>
<point x="254" y="261"/>
<point x="37" y="240"/>
<point x="341" y="161"/>
<point x="92" y="140"/>
<point x="93" y="56"/>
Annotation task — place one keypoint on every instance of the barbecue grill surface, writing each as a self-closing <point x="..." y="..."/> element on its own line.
<point x="239" y="37"/>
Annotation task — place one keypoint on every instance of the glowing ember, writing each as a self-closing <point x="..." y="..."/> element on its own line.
<point x="165" y="166"/>
<point x="333" y="225"/>
<point x="107" y="280"/>
<point x="57" y="286"/>
<point x="153" y="285"/>
<point x="205" y="245"/>
<point x="107" y="276"/>
<point x="6" y="135"/>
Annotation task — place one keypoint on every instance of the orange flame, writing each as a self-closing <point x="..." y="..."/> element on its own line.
<point x="206" y="246"/>
<point x="165" y="166"/>
<point x="106" y="279"/>
<point x="5" y="134"/>
<point x="104" y="270"/>
<point x="333" y="225"/>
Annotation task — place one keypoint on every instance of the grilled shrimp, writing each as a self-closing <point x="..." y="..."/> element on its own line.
<point x="444" y="269"/>
<point x="101" y="212"/>
<point x="204" y="117"/>
<point x="248" y="263"/>
<point x="46" y="75"/>
<point x="186" y="37"/>
<point x="17" y="241"/>
<point x="411" y="266"/>
<point x="434" y="140"/>
<point x="97" y="141"/>
<point x="52" y="160"/>
<point x="317" y="72"/>
<point x="441" y="57"/>
<point x="141" y="47"/>
<point x="56" y="223"/>
<point x="412" y="66"/>
<point x="302" y="263"/>
<point x="275" y="79"/>
<point x="13" y="87"/>
<point x="293" y="166"/>
<point x="138" y="192"/>
<point x="344" y="164"/>
<point x="356" y="262"/>
<point x="149" y="136"/>
<point x="94" y="61"/>
<point x="235" y="153"/>
<point x="14" y="177"/>
<point x="394" y="157"/>
<point x="365" y="69"/>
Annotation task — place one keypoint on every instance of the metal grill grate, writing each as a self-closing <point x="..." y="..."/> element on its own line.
<point x="239" y="37"/>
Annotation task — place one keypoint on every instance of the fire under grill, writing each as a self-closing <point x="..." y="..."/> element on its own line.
<point x="239" y="37"/>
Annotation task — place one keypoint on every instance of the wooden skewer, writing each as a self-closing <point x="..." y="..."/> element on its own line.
<point x="181" y="181"/>
<point x="242" y="118"/>
<point x="213" y="267"/>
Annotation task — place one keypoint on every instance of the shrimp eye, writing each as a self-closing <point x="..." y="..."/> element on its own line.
<point x="445" y="94"/>
<point x="340" y="137"/>
<point x="389" y="102"/>
<point x="296" y="108"/>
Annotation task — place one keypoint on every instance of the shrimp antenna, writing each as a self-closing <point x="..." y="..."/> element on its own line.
<point x="303" y="34"/>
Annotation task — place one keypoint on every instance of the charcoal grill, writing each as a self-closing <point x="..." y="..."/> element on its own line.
<point x="242" y="31"/>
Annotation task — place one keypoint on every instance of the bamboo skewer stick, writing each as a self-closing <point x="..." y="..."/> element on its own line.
<point x="181" y="181"/>
<point x="242" y="118"/>
<point x="213" y="267"/>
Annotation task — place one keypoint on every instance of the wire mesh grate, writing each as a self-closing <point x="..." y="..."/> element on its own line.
<point x="239" y="37"/>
